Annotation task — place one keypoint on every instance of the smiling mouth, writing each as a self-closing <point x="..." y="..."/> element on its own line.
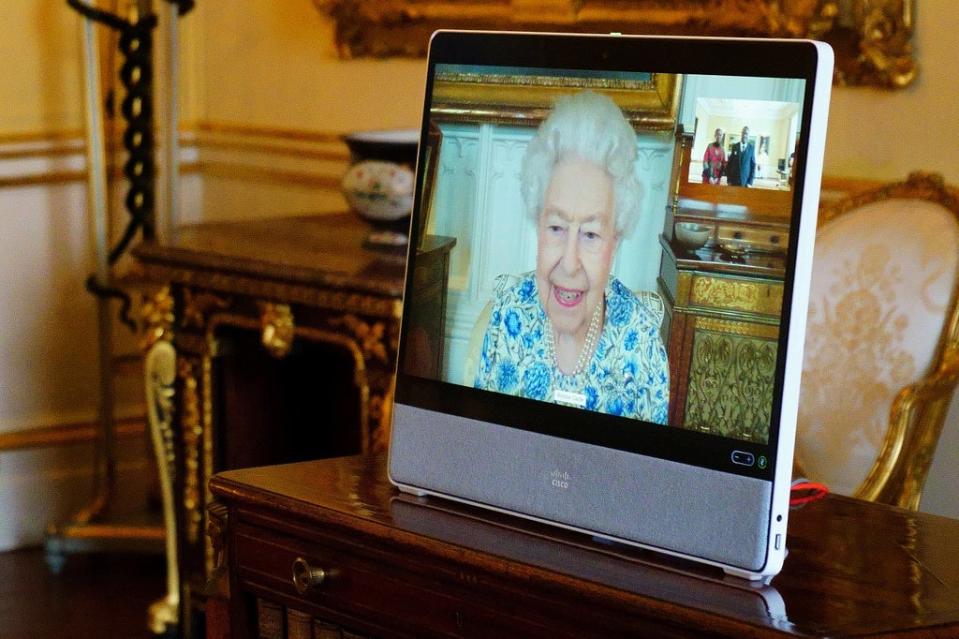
<point x="566" y="296"/>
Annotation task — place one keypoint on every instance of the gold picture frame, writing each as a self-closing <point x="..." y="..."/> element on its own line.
<point x="872" y="38"/>
<point x="649" y="101"/>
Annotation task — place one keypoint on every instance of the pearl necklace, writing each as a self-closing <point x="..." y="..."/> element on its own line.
<point x="588" y="343"/>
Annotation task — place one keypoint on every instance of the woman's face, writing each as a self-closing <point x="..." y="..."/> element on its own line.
<point x="576" y="242"/>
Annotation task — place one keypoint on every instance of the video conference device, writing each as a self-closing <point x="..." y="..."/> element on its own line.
<point x="552" y="391"/>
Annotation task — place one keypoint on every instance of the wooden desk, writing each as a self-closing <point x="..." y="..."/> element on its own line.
<point x="401" y="567"/>
<point x="285" y="334"/>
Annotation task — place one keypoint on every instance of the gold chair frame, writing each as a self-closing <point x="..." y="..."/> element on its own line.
<point x="919" y="410"/>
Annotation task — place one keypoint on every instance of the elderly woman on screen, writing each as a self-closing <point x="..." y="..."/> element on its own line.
<point x="570" y="332"/>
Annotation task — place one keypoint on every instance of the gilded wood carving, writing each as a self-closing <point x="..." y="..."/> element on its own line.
<point x="192" y="433"/>
<point x="731" y="385"/>
<point x="366" y="304"/>
<point x="366" y="339"/>
<point x="649" y="102"/>
<point x="160" y="376"/>
<point x="157" y="315"/>
<point x="748" y="329"/>
<point x="370" y="337"/>
<point x="872" y="38"/>
<point x="277" y="328"/>
<point x="742" y="295"/>
<point x="372" y="388"/>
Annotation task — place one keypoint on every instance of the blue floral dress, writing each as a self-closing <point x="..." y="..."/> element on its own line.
<point x="628" y="374"/>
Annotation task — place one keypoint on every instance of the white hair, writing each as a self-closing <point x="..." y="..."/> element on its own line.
<point x="591" y="127"/>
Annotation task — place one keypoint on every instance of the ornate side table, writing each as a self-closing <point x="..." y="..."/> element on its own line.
<point x="271" y="341"/>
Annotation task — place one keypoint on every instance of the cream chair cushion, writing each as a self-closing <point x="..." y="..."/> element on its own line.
<point x="475" y="345"/>
<point x="883" y="276"/>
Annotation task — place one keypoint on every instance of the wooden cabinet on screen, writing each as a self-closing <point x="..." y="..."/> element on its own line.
<point x="723" y="341"/>
<point x="723" y="291"/>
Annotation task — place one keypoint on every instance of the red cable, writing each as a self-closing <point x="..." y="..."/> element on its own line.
<point x="803" y="492"/>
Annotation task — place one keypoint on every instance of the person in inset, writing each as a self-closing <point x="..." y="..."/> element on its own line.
<point x="741" y="165"/>
<point x="714" y="160"/>
<point x="570" y="332"/>
<point x="762" y="159"/>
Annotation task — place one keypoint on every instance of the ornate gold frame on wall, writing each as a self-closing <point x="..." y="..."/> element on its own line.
<point x="649" y="104"/>
<point x="872" y="38"/>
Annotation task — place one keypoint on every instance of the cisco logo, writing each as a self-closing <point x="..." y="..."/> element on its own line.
<point x="559" y="479"/>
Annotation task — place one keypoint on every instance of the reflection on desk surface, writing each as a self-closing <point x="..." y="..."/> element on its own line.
<point x="853" y="568"/>
<point x="324" y="249"/>
<point x="643" y="572"/>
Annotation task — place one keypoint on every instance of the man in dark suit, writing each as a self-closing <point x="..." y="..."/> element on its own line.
<point x="741" y="165"/>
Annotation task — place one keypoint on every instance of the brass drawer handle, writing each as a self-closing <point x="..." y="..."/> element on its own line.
<point x="306" y="577"/>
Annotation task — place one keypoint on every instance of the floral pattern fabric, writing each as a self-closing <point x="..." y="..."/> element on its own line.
<point x="628" y="374"/>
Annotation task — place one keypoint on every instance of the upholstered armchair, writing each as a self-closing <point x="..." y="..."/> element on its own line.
<point x="882" y="342"/>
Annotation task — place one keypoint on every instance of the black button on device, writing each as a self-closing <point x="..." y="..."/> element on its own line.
<point x="743" y="458"/>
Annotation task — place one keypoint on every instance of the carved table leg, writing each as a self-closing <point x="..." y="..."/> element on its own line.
<point x="159" y="377"/>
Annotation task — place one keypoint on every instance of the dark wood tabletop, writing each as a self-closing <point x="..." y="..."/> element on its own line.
<point x="854" y="569"/>
<point x="320" y="250"/>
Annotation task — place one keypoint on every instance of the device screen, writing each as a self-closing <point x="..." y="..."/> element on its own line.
<point x="622" y="244"/>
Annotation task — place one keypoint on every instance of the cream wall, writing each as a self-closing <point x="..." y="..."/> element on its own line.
<point x="880" y="134"/>
<point x="274" y="64"/>
<point x="41" y="81"/>
<point x="47" y="321"/>
<point x="270" y="67"/>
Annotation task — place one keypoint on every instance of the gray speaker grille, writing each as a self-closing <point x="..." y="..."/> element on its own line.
<point x="686" y="509"/>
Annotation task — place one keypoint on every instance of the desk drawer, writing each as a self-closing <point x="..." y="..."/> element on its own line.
<point x="356" y="588"/>
<point x="373" y="597"/>
<point x="385" y="599"/>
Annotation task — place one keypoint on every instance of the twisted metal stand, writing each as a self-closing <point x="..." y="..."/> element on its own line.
<point x="89" y="529"/>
